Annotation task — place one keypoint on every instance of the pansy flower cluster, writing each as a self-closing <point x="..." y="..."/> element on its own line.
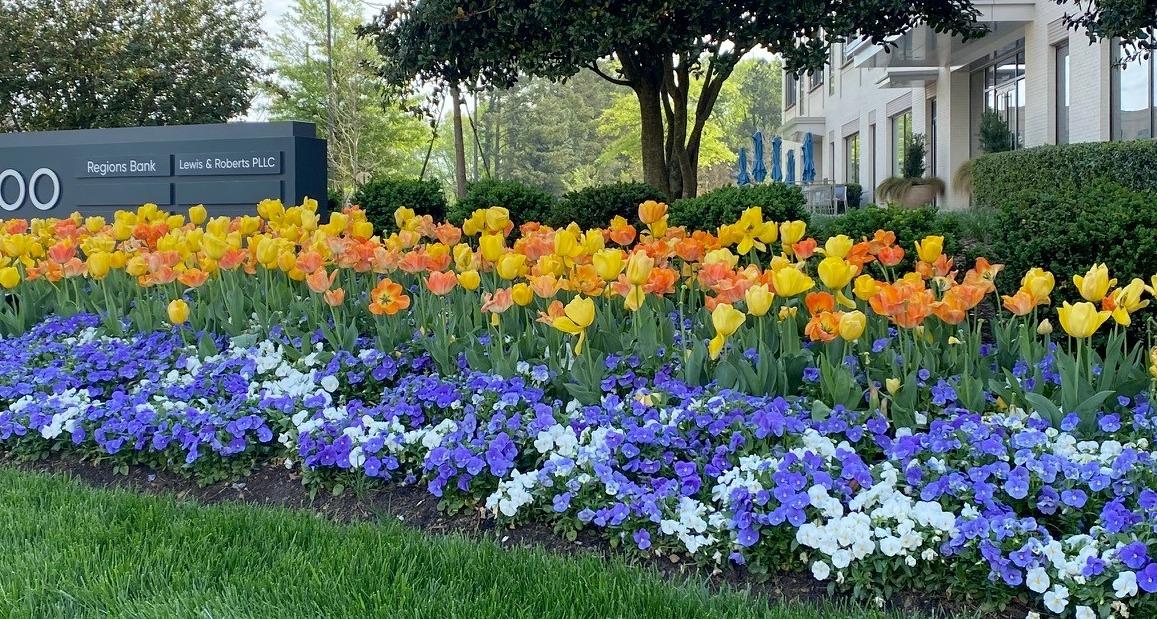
<point x="998" y="505"/>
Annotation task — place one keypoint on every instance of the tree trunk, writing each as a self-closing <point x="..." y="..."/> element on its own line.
<point x="459" y="145"/>
<point x="649" y="92"/>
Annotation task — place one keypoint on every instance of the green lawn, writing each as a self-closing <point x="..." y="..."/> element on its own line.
<point x="71" y="551"/>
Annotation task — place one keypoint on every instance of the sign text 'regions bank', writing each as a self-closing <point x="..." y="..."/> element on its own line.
<point x="229" y="168"/>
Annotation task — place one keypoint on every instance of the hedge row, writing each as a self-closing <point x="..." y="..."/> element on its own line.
<point x="593" y="207"/>
<point x="1054" y="171"/>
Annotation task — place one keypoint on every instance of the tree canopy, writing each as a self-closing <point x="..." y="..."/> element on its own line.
<point x="369" y="136"/>
<point x="78" y="64"/>
<point x="660" y="45"/>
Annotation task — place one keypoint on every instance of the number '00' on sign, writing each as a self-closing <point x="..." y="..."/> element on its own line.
<point x="28" y="190"/>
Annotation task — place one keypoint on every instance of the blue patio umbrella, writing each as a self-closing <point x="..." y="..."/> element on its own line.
<point x="808" y="160"/>
<point x="776" y="171"/>
<point x="758" y="170"/>
<point x="790" y="177"/>
<point x="743" y="178"/>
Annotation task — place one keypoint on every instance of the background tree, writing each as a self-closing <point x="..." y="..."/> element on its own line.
<point x="370" y="137"/>
<point x="79" y="64"/>
<point x="659" y="46"/>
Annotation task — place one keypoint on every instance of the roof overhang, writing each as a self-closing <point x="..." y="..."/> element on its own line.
<point x="925" y="48"/>
<point x="794" y="129"/>
<point x="908" y="77"/>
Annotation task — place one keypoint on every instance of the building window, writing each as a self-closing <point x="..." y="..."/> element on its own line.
<point x="1134" y="90"/>
<point x="832" y="71"/>
<point x="998" y="86"/>
<point x="790" y="90"/>
<point x="1063" y="93"/>
<point x="852" y="158"/>
<point x="816" y="79"/>
<point x="901" y="136"/>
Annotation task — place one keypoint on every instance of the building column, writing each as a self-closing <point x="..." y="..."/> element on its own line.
<point x="954" y="132"/>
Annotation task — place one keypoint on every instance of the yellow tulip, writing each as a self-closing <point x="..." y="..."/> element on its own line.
<point x="1095" y="284"/>
<point x="725" y="256"/>
<point x="496" y="219"/>
<point x="94" y="224"/>
<point x="178" y="311"/>
<point x="592" y="242"/>
<point x="608" y="263"/>
<point x="1153" y="362"/>
<point x="726" y="320"/>
<point x="852" y="325"/>
<point x="786" y="312"/>
<point x="892" y="385"/>
<point x="491" y="247"/>
<point x="463" y="256"/>
<point x="475" y="224"/>
<point x="791" y="282"/>
<point x="15" y="245"/>
<point x="836" y="273"/>
<point x="639" y="267"/>
<point x="577" y="316"/>
<point x="1127" y="300"/>
<point x="930" y="248"/>
<point x="9" y="277"/>
<point x="214" y="246"/>
<point x="866" y="287"/>
<point x="137" y="266"/>
<point x="403" y="216"/>
<point x="510" y="265"/>
<point x="566" y="244"/>
<point x="1039" y="284"/>
<point x="175" y="221"/>
<point x="99" y="265"/>
<point x="522" y="294"/>
<point x="1082" y="319"/>
<point x="759" y="299"/>
<point x="652" y="211"/>
<point x="839" y="246"/>
<point x="469" y="280"/>
<point x="198" y="214"/>
<point x="790" y="232"/>
<point x="362" y="229"/>
<point x="267" y="252"/>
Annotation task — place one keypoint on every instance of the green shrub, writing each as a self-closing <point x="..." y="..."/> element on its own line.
<point x="967" y="234"/>
<point x="381" y="197"/>
<point x="725" y="205"/>
<point x="525" y="203"/>
<point x="1067" y="232"/>
<point x="594" y="207"/>
<point x="855" y="195"/>
<point x="1060" y="170"/>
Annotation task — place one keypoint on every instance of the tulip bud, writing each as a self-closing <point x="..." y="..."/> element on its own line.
<point x="1044" y="328"/>
<point x="178" y="311"/>
<point x="893" y="385"/>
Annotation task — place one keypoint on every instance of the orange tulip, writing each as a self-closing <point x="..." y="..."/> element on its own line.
<point x="498" y="302"/>
<point x="1020" y="304"/>
<point x="823" y="327"/>
<point x="193" y="278"/>
<point x="334" y="297"/>
<point x="818" y="302"/>
<point x="441" y="282"/>
<point x="387" y="298"/>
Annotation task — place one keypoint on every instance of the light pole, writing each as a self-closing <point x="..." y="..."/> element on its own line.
<point x="329" y="67"/>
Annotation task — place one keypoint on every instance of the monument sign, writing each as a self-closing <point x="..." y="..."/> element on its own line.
<point x="228" y="167"/>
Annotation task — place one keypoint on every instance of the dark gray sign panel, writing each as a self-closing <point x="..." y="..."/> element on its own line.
<point x="228" y="168"/>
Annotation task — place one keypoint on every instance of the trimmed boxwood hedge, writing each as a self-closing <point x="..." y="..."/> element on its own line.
<point x="381" y="197"/>
<point x="1066" y="232"/>
<point x="725" y="204"/>
<point x="1063" y="169"/>
<point x="594" y="207"/>
<point x="524" y="202"/>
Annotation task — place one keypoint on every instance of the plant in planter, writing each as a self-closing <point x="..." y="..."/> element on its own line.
<point x="912" y="189"/>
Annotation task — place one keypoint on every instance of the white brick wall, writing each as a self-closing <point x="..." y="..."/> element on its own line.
<point x="858" y="100"/>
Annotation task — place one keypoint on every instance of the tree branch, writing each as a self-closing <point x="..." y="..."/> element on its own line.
<point x="594" y="66"/>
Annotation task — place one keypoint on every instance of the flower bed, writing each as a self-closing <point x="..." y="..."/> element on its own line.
<point x="683" y="400"/>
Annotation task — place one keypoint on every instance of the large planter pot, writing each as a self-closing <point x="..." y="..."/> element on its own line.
<point x="918" y="196"/>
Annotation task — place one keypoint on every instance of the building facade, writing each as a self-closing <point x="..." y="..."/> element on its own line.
<point x="1038" y="83"/>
